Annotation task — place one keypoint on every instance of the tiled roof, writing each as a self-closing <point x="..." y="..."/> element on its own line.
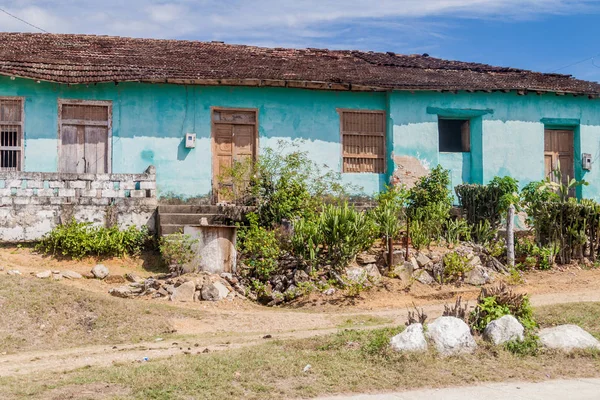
<point x="90" y="59"/>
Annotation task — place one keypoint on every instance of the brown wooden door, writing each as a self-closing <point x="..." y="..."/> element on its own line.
<point x="558" y="149"/>
<point x="84" y="137"/>
<point x="234" y="141"/>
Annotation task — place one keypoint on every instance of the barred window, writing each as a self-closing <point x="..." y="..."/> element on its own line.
<point x="11" y="134"/>
<point x="363" y="141"/>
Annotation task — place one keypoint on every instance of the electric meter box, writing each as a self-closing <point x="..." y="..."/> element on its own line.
<point x="190" y="140"/>
<point x="586" y="161"/>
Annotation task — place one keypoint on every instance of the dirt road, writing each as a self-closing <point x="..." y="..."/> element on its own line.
<point x="223" y="330"/>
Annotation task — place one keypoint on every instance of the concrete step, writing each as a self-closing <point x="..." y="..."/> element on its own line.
<point x="170" y="229"/>
<point x="191" y="219"/>
<point x="189" y="209"/>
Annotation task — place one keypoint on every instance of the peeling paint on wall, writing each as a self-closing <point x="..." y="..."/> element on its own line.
<point x="408" y="170"/>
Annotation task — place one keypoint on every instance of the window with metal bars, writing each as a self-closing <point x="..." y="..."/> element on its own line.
<point x="363" y="141"/>
<point x="11" y="134"/>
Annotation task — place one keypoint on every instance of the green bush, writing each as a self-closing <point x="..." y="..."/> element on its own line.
<point x="483" y="232"/>
<point x="456" y="230"/>
<point x="335" y="238"/>
<point x="429" y="203"/>
<point x="258" y="249"/>
<point x="177" y="250"/>
<point x="80" y="239"/>
<point x="455" y="267"/>
<point x="488" y="202"/>
<point x="287" y="184"/>
<point x="431" y="189"/>
<point x="494" y="303"/>
<point x="419" y="236"/>
<point x="390" y="211"/>
<point x="530" y="346"/>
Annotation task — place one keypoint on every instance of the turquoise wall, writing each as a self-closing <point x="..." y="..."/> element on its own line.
<point x="150" y="120"/>
<point x="507" y="133"/>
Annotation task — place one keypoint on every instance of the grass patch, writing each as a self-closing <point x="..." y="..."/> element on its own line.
<point x="584" y="315"/>
<point x="349" y="361"/>
<point x="363" y="320"/>
<point x="38" y="314"/>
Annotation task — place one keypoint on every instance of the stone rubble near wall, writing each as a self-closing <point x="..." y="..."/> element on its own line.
<point x="186" y="288"/>
<point x="32" y="203"/>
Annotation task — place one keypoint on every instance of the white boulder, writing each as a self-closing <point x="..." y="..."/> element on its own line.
<point x="504" y="329"/>
<point x="567" y="337"/>
<point x="411" y="339"/>
<point x="451" y="336"/>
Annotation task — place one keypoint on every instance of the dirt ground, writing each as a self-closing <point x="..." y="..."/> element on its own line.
<point x="231" y="324"/>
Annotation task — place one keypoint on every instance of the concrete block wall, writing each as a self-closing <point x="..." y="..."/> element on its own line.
<point x="32" y="203"/>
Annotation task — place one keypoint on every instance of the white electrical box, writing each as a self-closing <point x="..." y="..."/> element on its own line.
<point x="586" y="161"/>
<point x="190" y="140"/>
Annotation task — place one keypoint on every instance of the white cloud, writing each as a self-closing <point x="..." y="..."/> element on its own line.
<point x="237" y="18"/>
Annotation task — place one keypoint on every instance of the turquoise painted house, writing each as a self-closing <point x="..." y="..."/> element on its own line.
<point x="97" y="104"/>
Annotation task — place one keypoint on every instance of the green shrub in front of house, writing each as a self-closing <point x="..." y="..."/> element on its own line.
<point x="80" y="239"/>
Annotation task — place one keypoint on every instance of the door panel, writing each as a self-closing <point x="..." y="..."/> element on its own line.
<point x="95" y="150"/>
<point x="72" y="153"/>
<point x="559" y="150"/>
<point x="234" y="141"/>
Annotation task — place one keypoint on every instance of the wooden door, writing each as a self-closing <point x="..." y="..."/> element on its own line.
<point x="85" y="137"/>
<point x="234" y="143"/>
<point x="558" y="149"/>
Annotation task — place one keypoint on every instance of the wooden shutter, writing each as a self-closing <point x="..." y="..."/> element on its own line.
<point x="363" y="141"/>
<point x="11" y="134"/>
<point x="85" y="132"/>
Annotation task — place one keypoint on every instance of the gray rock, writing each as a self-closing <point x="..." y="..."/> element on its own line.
<point x="373" y="273"/>
<point x="397" y="257"/>
<point x="478" y="276"/>
<point x="44" y="274"/>
<point x="100" y="271"/>
<point x="424" y="277"/>
<point x="301" y="276"/>
<point x="134" y="278"/>
<point x="121" y="291"/>
<point x="13" y="272"/>
<point x="411" y="339"/>
<point x="356" y="274"/>
<point x="504" y="329"/>
<point x="414" y="263"/>
<point x="451" y="336"/>
<point x="366" y="259"/>
<point x="214" y="291"/>
<point x="567" y="338"/>
<point x="71" y="275"/>
<point x="404" y="271"/>
<point x="475" y="261"/>
<point x="329" y="292"/>
<point x="422" y="260"/>
<point x="184" y="292"/>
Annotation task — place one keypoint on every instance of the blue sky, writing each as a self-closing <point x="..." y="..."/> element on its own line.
<point x="543" y="35"/>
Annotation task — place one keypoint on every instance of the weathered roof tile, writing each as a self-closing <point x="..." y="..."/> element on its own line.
<point x="91" y="59"/>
